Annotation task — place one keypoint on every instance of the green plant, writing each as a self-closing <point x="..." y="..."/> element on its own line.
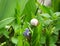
<point x="18" y="29"/>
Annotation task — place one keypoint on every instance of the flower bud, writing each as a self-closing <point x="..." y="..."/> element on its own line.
<point x="34" y="22"/>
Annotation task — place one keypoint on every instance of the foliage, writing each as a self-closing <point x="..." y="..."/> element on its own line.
<point x="16" y="29"/>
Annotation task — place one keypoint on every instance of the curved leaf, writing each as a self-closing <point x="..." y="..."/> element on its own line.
<point x="7" y="8"/>
<point x="6" y="21"/>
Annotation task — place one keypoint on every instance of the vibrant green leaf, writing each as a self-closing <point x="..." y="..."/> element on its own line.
<point x="6" y="21"/>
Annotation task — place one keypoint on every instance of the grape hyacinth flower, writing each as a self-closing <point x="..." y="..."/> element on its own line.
<point x="27" y="32"/>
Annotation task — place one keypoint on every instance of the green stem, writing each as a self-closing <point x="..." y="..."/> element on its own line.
<point x="47" y="40"/>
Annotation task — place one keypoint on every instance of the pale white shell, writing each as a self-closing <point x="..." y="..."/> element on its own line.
<point x="34" y="22"/>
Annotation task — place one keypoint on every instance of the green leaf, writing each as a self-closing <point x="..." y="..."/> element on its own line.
<point x="37" y="35"/>
<point x="45" y="15"/>
<point x="26" y="43"/>
<point x="4" y="32"/>
<point x="20" y="41"/>
<point x="56" y="5"/>
<point x="30" y="9"/>
<point x="58" y="24"/>
<point x="7" y="8"/>
<point x="53" y="39"/>
<point x="6" y="21"/>
<point x="22" y="4"/>
<point x="46" y="9"/>
<point x="57" y="13"/>
<point x="52" y="45"/>
<point x="14" y="40"/>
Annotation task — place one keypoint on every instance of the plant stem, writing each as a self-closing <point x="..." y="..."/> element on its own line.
<point x="47" y="40"/>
